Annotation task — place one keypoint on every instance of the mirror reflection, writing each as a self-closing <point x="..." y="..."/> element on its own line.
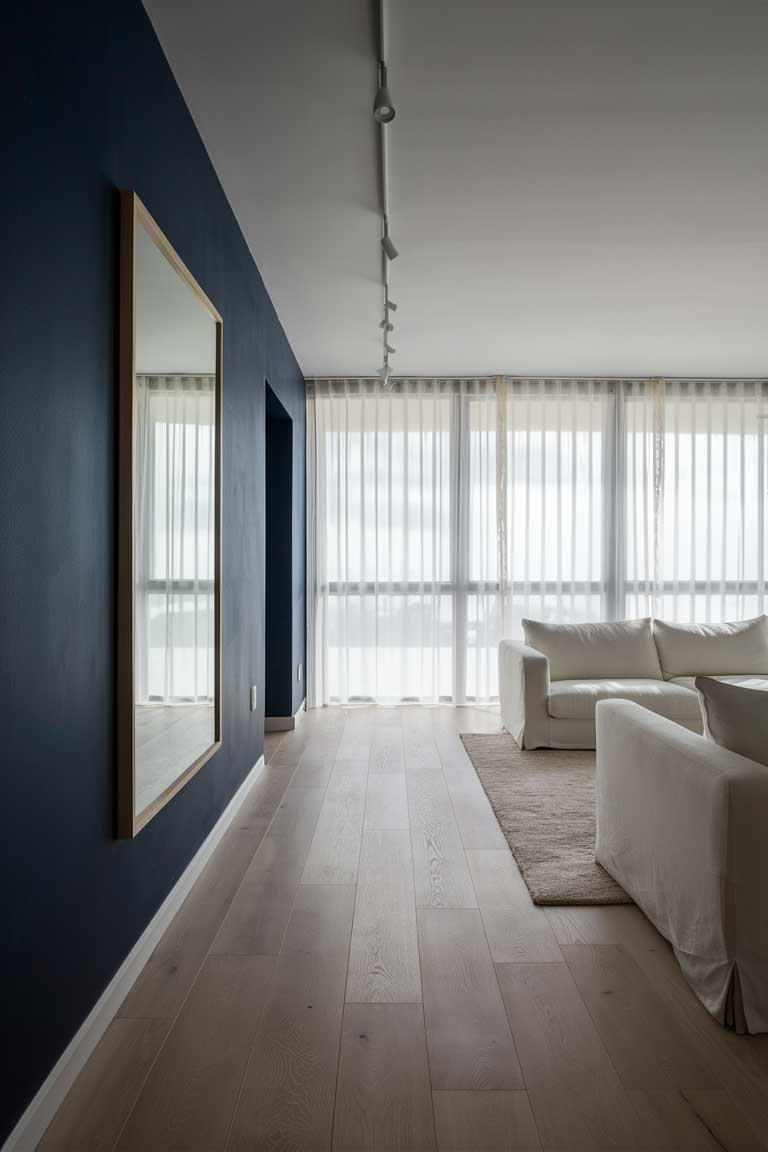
<point x="174" y="468"/>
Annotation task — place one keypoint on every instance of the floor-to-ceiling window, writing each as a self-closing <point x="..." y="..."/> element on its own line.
<point x="383" y="504"/>
<point x="695" y="499"/>
<point x="444" y="511"/>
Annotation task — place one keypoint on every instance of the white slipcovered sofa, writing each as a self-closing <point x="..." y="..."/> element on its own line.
<point x="549" y="686"/>
<point x="681" y="825"/>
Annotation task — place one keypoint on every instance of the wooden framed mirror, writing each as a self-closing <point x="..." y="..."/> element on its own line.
<point x="169" y="523"/>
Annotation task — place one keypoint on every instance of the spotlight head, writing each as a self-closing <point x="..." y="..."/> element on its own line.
<point x="390" y="305"/>
<point x="385" y="324"/>
<point x="388" y="246"/>
<point x="390" y="349"/>
<point x="383" y="108"/>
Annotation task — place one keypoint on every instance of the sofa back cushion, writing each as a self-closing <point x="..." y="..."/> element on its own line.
<point x="735" y="717"/>
<point x="713" y="649"/>
<point x="620" y="650"/>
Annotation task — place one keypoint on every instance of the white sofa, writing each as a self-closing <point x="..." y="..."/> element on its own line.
<point x="550" y="685"/>
<point x="681" y="825"/>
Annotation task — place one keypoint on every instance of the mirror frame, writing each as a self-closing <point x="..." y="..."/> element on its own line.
<point x="129" y="823"/>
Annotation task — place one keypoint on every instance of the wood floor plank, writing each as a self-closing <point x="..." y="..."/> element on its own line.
<point x="267" y="793"/>
<point x="317" y="760"/>
<point x="383" y="1099"/>
<point x="516" y="929"/>
<point x="170" y="971"/>
<point x="606" y="924"/>
<point x="734" y="1062"/>
<point x="647" y="1047"/>
<point x="386" y="802"/>
<point x="576" y="1095"/>
<point x="335" y="850"/>
<point x="92" y="1114"/>
<point x="387" y="753"/>
<point x="468" y="1035"/>
<point x="321" y="921"/>
<point x="292" y="747"/>
<point x="668" y="1121"/>
<point x="256" y="920"/>
<point x="189" y="1097"/>
<point x="740" y="1063"/>
<point x="288" y="1094"/>
<point x="318" y="727"/>
<point x="718" y="1114"/>
<point x="478" y="827"/>
<point x="315" y="766"/>
<point x="384" y="955"/>
<point x="355" y="743"/>
<point x="272" y="741"/>
<point x="440" y="866"/>
<point x="421" y="753"/>
<point x="484" y="1122"/>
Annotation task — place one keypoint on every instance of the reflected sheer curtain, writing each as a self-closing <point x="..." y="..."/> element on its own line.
<point x="175" y="540"/>
<point x="441" y="512"/>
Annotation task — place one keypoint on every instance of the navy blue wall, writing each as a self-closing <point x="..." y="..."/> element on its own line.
<point x="91" y="107"/>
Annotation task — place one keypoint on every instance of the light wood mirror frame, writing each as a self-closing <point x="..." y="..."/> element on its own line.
<point x="129" y="823"/>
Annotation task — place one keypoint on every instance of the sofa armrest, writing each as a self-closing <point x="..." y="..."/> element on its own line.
<point x="523" y="693"/>
<point x="681" y="825"/>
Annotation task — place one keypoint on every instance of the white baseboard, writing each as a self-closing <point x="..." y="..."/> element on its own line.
<point x="31" y="1127"/>
<point x="285" y="723"/>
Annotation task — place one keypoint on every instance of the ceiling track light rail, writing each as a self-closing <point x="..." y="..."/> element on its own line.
<point x="384" y="114"/>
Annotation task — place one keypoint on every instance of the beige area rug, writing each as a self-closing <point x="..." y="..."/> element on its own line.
<point x="545" y="804"/>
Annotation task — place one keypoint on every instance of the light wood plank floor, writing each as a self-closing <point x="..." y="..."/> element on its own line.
<point x="360" y="967"/>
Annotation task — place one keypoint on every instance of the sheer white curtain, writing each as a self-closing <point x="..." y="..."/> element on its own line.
<point x="695" y="499"/>
<point x="381" y="552"/>
<point x="535" y="507"/>
<point x="174" y="513"/>
<point x="557" y="518"/>
<point x="442" y="512"/>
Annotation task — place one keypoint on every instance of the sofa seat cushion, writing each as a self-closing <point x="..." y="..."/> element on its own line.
<point x="576" y="699"/>
<point x="732" y="649"/>
<point x="744" y="681"/>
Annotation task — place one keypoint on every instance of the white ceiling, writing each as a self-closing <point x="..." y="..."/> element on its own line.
<point x="575" y="187"/>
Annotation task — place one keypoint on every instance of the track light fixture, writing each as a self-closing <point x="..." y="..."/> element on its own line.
<point x="385" y="324"/>
<point x="389" y="248"/>
<point x="389" y="349"/>
<point x="383" y="108"/>
<point x="390" y="305"/>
